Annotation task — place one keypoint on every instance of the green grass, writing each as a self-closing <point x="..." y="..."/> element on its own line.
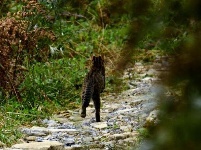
<point x="53" y="81"/>
<point x="8" y="132"/>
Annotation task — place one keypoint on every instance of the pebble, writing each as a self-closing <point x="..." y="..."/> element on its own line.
<point x="117" y="137"/>
<point x="87" y="139"/>
<point x="126" y="128"/>
<point x="30" y="138"/>
<point x="68" y="141"/>
<point x="38" y="145"/>
<point x="99" y="125"/>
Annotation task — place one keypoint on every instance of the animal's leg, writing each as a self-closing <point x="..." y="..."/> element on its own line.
<point x="85" y="104"/>
<point x="83" y="112"/>
<point x="86" y="96"/>
<point x="96" y="99"/>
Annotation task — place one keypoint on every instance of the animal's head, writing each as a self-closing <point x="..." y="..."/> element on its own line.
<point x="97" y="62"/>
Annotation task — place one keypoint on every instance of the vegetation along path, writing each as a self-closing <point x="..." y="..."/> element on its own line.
<point x="122" y="117"/>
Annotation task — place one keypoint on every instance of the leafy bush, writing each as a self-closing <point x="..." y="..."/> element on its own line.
<point x="19" y="43"/>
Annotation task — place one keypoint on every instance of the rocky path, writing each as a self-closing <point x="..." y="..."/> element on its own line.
<point x="122" y="116"/>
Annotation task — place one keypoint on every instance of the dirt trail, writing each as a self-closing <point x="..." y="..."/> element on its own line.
<point x="122" y="115"/>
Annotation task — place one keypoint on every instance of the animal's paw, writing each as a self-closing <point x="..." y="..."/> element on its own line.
<point x="83" y="115"/>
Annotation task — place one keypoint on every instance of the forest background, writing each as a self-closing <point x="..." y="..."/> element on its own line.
<point x="46" y="47"/>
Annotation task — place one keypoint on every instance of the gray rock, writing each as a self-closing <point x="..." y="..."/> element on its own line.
<point x="117" y="137"/>
<point x="87" y="139"/>
<point x="34" y="132"/>
<point x="131" y="140"/>
<point x="127" y="128"/>
<point x="74" y="147"/>
<point x="99" y="125"/>
<point x="152" y="72"/>
<point x="109" y="145"/>
<point x="131" y="134"/>
<point x="125" y="110"/>
<point x="95" y="146"/>
<point x="50" y="123"/>
<point x="30" y="138"/>
<point x="68" y="141"/>
<point x="152" y="119"/>
<point x="39" y="139"/>
<point x="42" y="131"/>
<point x="66" y="126"/>
<point x="46" y="145"/>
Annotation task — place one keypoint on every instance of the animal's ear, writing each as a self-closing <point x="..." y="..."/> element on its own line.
<point x="92" y="58"/>
<point x="101" y="57"/>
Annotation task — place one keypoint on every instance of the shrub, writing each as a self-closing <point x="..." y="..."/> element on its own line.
<point x="19" y="44"/>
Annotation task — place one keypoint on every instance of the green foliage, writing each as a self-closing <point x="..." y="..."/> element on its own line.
<point x="12" y="116"/>
<point x="62" y="36"/>
<point x="55" y="81"/>
<point x="9" y="134"/>
<point x="53" y="70"/>
<point x="143" y="133"/>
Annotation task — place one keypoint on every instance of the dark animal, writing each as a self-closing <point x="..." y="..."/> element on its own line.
<point x="93" y="85"/>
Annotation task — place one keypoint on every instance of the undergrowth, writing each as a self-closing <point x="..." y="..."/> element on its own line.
<point x="45" y="73"/>
<point x="46" y="48"/>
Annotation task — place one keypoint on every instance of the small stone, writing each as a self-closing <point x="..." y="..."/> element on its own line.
<point x="99" y="125"/>
<point x="147" y="79"/>
<point x="69" y="148"/>
<point x="48" y="130"/>
<point x="87" y="139"/>
<point x="30" y="138"/>
<point x="130" y="134"/>
<point x="76" y="147"/>
<point x="110" y="144"/>
<point x="46" y="145"/>
<point x="34" y="132"/>
<point x="105" y="131"/>
<point x="75" y="118"/>
<point x="39" y="139"/>
<point x="151" y="72"/>
<point x="126" y="128"/>
<point x="111" y="122"/>
<point x="66" y="126"/>
<point x="50" y="123"/>
<point x="122" y="112"/>
<point x="117" y="137"/>
<point x="97" y="138"/>
<point x="143" y="75"/>
<point x="48" y="137"/>
<point x="113" y="107"/>
<point x="68" y="141"/>
<point x="130" y="140"/>
<point x="121" y="142"/>
<point x="152" y="119"/>
<point x="138" y="64"/>
<point x="38" y="128"/>
<point x="95" y="146"/>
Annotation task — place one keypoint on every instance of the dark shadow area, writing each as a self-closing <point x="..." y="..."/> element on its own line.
<point x="176" y="26"/>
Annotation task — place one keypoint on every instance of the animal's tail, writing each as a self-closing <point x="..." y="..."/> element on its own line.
<point x="87" y="93"/>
